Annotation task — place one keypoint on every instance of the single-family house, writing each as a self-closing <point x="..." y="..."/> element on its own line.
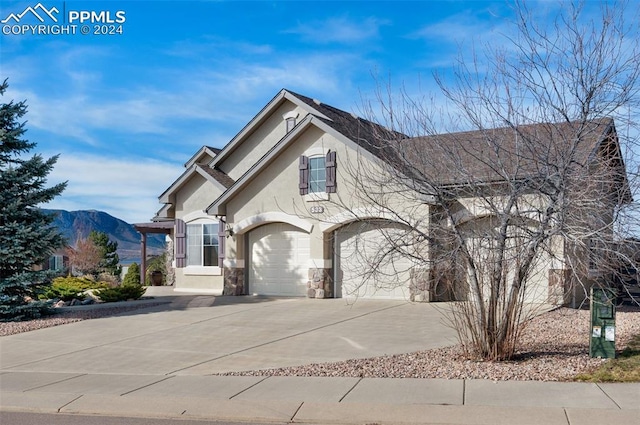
<point x="58" y="261"/>
<point x="274" y="213"/>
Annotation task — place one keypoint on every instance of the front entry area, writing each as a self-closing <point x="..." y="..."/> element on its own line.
<point x="278" y="260"/>
<point x="360" y="272"/>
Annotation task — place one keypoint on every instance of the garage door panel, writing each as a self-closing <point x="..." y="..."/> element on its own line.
<point x="360" y="270"/>
<point x="279" y="257"/>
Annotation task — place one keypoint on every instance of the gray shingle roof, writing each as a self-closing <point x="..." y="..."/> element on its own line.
<point x="218" y="175"/>
<point x="501" y="154"/>
<point x="373" y="137"/>
<point x="481" y="156"/>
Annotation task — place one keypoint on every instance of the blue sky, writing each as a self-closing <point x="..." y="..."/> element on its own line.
<point x="125" y="111"/>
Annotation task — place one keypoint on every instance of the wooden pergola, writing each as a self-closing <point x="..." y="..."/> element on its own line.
<point x="163" y="227"/>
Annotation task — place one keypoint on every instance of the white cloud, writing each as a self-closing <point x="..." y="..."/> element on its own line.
<point x="458" y="36"/>
<point x="213" y="96"/>
<point x="218" y="91"/>
<point x="209" y="46"/>
<point x="339" y="30"/>
<point x="127" y="188"/>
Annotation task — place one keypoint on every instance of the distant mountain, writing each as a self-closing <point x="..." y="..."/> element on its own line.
<point x="78" y="224"/>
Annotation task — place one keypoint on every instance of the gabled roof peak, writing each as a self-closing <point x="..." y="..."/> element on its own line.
<point x="203" y="152"/>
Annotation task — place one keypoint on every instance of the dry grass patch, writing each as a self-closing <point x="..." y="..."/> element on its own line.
<point x="625" y="368"/>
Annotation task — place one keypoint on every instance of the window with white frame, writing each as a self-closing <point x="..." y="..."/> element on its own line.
<point x="317" y="174"/>
<point x="202" y="244"/>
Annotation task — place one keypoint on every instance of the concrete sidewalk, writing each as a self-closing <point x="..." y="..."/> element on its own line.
<point x="322" y="400"/>
<point x="158" y="362"/>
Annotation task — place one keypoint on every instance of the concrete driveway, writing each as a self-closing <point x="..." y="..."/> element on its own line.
<point x="201" y="335"/>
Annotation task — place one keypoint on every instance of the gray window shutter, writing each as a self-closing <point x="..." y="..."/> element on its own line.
<point x="304" y="175"/>
<point x="222" y="238"/>
<point x="330" y="164"/>
<point x="181" y="243"/>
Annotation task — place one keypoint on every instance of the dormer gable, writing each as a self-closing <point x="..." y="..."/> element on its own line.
<point x="264" y="131"/>
<point x="205" y="155"/>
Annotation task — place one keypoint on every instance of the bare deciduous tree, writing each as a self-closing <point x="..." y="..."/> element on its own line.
<point x="85" y="258"/>
<point x="529" y="204"/>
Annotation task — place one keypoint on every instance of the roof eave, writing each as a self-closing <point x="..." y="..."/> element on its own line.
<point x="218" y="207"/>
<point x="248" y="128"/>
<point x="164" y="197"/>
<point x="196" y="157"/>
<point x="209" y="177"/>
<point x="163" y="213"/>
<point x="264" y="113"/>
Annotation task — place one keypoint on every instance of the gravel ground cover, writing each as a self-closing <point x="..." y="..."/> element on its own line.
<point x="554" y="347"/>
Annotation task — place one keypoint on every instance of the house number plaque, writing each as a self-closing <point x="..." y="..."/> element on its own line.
<point x="316" y="209"/>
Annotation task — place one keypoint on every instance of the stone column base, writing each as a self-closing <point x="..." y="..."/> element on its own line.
<point x="320" y="284"/>
<point x="233" y="281"/>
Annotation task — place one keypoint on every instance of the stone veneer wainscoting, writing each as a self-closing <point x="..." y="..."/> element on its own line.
<point x="233" y="281"/>
<point x="320" y="284"/>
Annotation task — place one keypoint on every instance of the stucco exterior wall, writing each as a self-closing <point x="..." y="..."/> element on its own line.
<point x="272" y="196"/>
<point x="190" y="202"/>
<point x="195" y="195"/>
<point x="259" y="142"/>
<point x="472" y="216"/>
<point x="276" y="188"/>
<point x="212" y="284"/>
<point x="275" y="192"/>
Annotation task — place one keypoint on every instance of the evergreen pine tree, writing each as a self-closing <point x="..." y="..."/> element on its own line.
<point x="110" y="259"/>
<point x="133" y="275"/>
<point x="27" y="238"/>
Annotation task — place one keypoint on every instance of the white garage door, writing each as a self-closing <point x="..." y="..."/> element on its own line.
<point x="358" y="253"/>
<point x="279" y="260"/>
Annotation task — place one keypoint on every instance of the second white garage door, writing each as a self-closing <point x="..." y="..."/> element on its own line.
<point x="357" y="248"/>
<point x="278" y="260"/>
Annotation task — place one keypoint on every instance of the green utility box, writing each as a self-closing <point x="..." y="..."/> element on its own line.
<point x="603" y="323"/>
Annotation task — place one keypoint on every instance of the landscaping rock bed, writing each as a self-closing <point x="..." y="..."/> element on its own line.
<point x="554" y="347"/>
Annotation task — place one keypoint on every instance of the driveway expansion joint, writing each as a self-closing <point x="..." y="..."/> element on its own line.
<point x="56" y="382"/>
<point x="264" y="344"/>
<point x="148" y="385"/>
<point x="249" y="387"/>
